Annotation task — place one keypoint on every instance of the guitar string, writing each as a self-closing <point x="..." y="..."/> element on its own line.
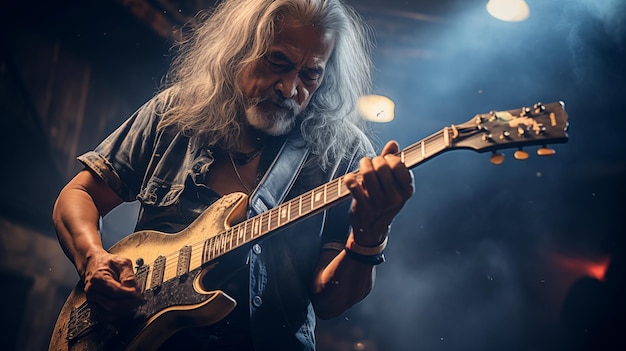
<point x="173" y="266"/>
<point x="171" y="263"/>
<point x="411" y="154"/>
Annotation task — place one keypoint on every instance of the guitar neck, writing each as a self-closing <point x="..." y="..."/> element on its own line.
<point x="309" y="203"/>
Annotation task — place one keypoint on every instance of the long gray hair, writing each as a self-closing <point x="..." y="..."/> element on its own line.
<point x="201" y="93"/>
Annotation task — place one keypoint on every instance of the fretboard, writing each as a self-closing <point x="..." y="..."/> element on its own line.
<point x="309" y="203"/>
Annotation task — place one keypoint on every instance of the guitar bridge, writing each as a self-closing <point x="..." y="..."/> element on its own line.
<point x="80" y="322"/>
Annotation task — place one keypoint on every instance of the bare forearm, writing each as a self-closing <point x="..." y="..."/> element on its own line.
<point x="76" y="215"/>
<point x="76" y="222"/>
<point x="379" y="190"/>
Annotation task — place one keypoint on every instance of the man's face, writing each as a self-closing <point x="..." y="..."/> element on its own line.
<point x="279" y="85"/>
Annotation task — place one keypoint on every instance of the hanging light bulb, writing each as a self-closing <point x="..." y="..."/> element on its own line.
<point x="376" y="108"/>
<point x="508" y="10"/>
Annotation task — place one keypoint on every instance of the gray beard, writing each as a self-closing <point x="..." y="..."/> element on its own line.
<point x="279" y="121"/>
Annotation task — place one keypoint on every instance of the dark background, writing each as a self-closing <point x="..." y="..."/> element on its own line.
<point x="528" y="255"/>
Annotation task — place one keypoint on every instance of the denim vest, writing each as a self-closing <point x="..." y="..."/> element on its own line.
<point x="166" y="170"/>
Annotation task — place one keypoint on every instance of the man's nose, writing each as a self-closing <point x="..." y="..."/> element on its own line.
<point x="288" y="85"/>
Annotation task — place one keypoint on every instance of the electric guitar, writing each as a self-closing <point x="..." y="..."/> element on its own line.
<point x="170" y="268"/>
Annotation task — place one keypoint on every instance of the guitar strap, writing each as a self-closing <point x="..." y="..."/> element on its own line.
<point x="280" y="176"/>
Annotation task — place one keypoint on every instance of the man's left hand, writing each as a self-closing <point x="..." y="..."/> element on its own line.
<point x="380" y="189"/>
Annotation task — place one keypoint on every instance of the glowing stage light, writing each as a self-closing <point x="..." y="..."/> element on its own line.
<point x="595" y="268"/>
<point x="508" y="10"/>
<point x="376" y="108"/>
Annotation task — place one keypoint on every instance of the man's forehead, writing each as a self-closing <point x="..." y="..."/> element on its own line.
<point x="302" y="40"/>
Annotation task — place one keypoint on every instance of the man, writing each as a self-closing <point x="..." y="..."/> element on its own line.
<point x="252" y="76"/>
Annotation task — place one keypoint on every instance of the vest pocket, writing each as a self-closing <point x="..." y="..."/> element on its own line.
<point x="160" y="193"/>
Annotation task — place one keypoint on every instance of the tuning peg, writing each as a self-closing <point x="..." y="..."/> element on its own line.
<point x="520" y="154"/>
<point x="525" y="111"/>
<point x="496" y="158"/>
<point x="545" y="151"/>
<point x="539" y="107"/>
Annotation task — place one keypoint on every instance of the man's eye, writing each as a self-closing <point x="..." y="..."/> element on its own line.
<point x="276" y="64"/>
<point x="310" y="77"/>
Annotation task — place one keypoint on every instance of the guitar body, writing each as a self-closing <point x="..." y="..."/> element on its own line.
<point x="174" y="304"/>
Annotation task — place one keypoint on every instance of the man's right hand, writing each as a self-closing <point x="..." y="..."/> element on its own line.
<point x="111" y="286"/>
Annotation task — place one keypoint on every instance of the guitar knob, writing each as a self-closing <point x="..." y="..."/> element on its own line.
<point x="496" y="158"/>
<point x="545" y="151"/>
<point x="505" y="135"/>
<point x="487" y="137"/>
<point x="520" y="154"/>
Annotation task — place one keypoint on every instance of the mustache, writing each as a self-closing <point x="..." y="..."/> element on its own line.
<point x="285" y="103"/>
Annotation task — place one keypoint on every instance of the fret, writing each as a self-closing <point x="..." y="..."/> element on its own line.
<point x="255" y="226"/>
<point x="214" y="247"/>
<point x="240" y="235"/>
<point x="224" y="241"/>
<point x="264" y="220"/>
<point x="206" y="251"/>
<point x="270" y="221"/>
<point x="210" y="249"/>
<point x="283" y="214"/>
<point x="249" y="230"/>
<point x="305" y="203"/>
<point x="288" y="212"/>
<point x="228" y="236"/>
<point x="217" y="244"/>
<point x="331" y="191"/>
<point x="340" y="187"/>
<point x="222" y="244"/>
<point x="235" y="233"/>
<point x="299" y="206"/>
<point x="292" y="210"/>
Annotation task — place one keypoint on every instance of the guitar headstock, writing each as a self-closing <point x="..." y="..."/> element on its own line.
<point x="541" y="124"/>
